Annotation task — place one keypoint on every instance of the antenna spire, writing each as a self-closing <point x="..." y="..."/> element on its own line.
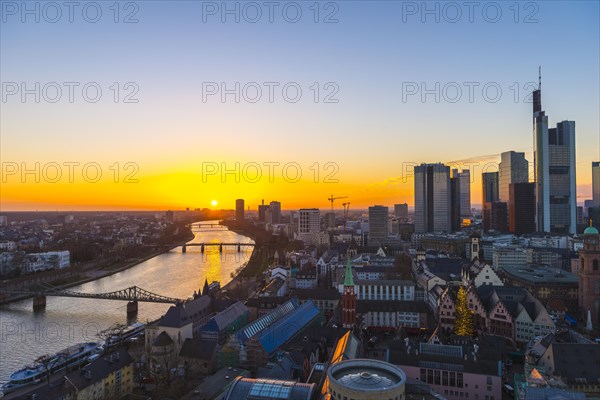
<point x="540" y="77"/>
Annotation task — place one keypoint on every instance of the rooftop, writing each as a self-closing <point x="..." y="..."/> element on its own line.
<point x="266" y="389"/>
<point x="541" y="275"/>
<point x="366" y="375"/>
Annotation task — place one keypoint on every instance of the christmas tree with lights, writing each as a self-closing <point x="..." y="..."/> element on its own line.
<point x="463" y="325"/>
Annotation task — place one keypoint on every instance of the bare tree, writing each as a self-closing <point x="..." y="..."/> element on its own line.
<point x="48" y="361"/>
<point x="112" y="334"/>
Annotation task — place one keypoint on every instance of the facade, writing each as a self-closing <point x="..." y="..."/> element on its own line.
<point x="554" y="170"/>
<point x="239" y="209"/>
<point x="50" y="260"/>
<point x="455" y="371"/>
<point x="464" y="178"/>
<point x="378" y="225"/>
<point x="432" y="198"/>
<point x="275" y="209"/>
<point x="392" y="314"/>
<point x="365" y="379"/>
<point x="521" y="208"/>
<point x="513" y="168"/>
<point x="490" y="197"/>
<point x="589" y="276"/>
<point x="309" y="224"/>
<point x="262" y="212"/>
<point x="401" y="210"/>
<point x="380" y="289"/>
<point x="508" y="256"/>
<point x="455" y="201"/>
<point x="596" y="183"/>
<point x="480" y="274"/>
<point x="510" y="312"/>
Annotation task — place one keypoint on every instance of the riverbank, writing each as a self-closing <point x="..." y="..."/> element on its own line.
<point x="266" y="244"/>
<point x="82" y="276"/>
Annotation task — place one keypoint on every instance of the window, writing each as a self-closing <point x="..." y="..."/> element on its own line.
<point x="459" y="379"/>
<point x="444" y="378"/>
<point x="595" y="265"/>
<point x="430" y="376"/>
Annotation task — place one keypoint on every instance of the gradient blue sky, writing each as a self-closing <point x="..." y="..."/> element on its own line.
<point x="369" y="53"/>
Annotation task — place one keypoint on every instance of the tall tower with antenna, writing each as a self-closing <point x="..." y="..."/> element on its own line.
<point x="554" y="170"/>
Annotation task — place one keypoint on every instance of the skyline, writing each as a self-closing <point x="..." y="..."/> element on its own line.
<point x="171" y="130"/>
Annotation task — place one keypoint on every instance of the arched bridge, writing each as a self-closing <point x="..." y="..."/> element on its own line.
<point x="216" y="244"/>
<point x="132" y="295"/>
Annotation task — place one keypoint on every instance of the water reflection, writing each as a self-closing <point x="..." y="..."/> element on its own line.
<point x="24" y="335"/>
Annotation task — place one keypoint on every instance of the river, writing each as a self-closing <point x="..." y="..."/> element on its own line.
<point x="25" y="335"/>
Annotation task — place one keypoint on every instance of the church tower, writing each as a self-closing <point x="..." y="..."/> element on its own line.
<point x="589" y="276"/>
<point x="348" y="298"/>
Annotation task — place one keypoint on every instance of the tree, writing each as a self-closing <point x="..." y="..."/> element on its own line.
<point x="463" y="325"/>
<point x="48" y="361"/>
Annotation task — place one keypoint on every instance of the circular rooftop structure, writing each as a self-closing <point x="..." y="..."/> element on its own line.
<point x="590" y="230"/>
<point x="362" y="379"/>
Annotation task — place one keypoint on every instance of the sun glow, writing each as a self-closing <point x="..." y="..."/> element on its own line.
<point x="213" y="203"/>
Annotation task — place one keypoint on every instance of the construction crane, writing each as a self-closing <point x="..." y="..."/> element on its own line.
<point x="346" y="208"/>
<point x="332" y="216"/>
<point x="332" y="199"/>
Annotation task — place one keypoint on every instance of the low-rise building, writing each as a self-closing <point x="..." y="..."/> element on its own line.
<point x="225" y="322"/>
<point x="557" y="289"/>
<point x="390" y="315"/>
<point x="457" y="371"/>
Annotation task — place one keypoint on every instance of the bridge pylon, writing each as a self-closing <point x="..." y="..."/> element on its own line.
<point x="39" y="302"/>
<point x="132" y="307"/>
<point x="183" y="249"/>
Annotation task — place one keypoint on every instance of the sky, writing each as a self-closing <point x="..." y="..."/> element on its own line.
<point x="166" y="105"/>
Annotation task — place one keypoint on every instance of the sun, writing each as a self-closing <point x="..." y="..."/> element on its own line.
<point x="213" y="203"/>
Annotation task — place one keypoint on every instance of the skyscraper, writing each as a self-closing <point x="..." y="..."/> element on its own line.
<point x="489" y="181"/>
<point x="378" y="225"/>
<point x="460" y="197"/>
<point x="432" y="198"/>
<point x="454" y="201"/>
<point x="464" y="179"/>
<point x="309" y="224"/>
<point x="521" y="208"/>
<point x="275" y="208"/>
<point x="513" y="168"/>
<point x="262" y="212"/>
<point x="401" y="210"/>
<point x="596" y="183"/>
<point x="494" y="212"/>
<point x="554" y="169"/>
<point x="239" y="209"/>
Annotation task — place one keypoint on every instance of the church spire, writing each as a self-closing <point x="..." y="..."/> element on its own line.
<point x="206" y="288"/>
<point x="348" y="279"/>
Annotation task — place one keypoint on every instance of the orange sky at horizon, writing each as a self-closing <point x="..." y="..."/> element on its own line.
<point x="179" y="190"/>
